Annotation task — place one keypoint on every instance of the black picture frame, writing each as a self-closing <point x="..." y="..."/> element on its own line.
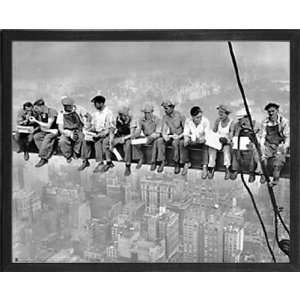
<point x="9" y="36"/>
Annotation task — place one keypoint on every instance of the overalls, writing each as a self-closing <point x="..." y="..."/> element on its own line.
<point x="67" y="144"/>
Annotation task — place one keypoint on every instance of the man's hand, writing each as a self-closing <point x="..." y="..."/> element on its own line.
<point x="223" y="140"/>
<point x="176" y="137"/>
<point x="75" y="136"/>
<point x="32" y="119"/>
<point x="186" y="141"/>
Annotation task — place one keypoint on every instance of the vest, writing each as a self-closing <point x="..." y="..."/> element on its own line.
<point x="72" y="121"/>
<point x="273" y="135"/>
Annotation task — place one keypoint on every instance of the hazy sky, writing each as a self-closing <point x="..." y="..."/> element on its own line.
<point x="49" y="59"/>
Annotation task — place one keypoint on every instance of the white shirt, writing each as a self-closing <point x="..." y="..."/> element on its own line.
<point x="196" y="131"/>
<point x="103" y="119"/>
<point x="224" y="131"/>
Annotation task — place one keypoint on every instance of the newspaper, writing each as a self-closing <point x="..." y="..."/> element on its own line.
<point x="244" y="142"/>
<point x="139" y="141"/>
<point x="25" y="129"/>
<point x="89" y="135"/>
<point x="213" y="140"/>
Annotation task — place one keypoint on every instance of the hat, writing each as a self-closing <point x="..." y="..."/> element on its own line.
<point x="224" y="108"/>
<point x="242" y="113"/>
<point x="167" y="103"/>
<point x="67" y="100"/>
<point x="269" y="105"/>
<point x="147" y="108"/>
<point x="39" y="102"/>
<point x="98" y="98"/>
<point x="123" y="110"/>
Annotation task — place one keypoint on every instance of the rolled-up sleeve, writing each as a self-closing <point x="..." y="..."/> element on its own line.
<point x="286" y="132"/>
<point x="187" y="128"/>
<point x="110" y="121"/>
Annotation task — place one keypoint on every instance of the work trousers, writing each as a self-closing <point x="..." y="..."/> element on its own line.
<point x="270" y="153"/>
<point x="253" y="163"/>
<point x="121" y="146"/>
<point x="45" y="143"/>
<point x="157" y="149"/>
<point x="179" y="152"/>
<point x="203" y="147"/>
<point x="212" y="153"/>
<point x="69" y="147"/>
<point x="101" y="146"/>
<point x="23" y="140"/>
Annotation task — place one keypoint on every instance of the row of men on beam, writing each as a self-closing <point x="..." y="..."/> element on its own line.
<point x="73" y="124"/>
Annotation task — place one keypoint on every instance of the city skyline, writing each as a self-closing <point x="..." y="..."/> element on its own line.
<point x="72" y="216"/>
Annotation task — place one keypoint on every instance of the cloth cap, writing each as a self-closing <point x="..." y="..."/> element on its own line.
<point x="242" y="113"/>
<point x="224" y="108"/>
<point x="147" y="108"/>
<point x="167" y="103"/>
<point x="269" y="105"/>
<point x="67" y="101"/>
<point x="98" y="98"/>
<point x="123" y="110"/>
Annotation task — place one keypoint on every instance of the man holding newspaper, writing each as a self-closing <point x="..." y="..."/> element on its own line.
<point x="148" y="132"/>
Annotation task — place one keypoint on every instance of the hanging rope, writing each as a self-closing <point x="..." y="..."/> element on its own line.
<point x="263" y="166"/>
<point x="254" y="204"/>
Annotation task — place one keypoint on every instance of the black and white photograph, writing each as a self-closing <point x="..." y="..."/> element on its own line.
<point x="151" y="152"/>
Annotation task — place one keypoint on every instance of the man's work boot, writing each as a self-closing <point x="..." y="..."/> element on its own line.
<point x="227" y="173"/>
<point x="85" y="164"/>
<point x="177" y="168"/>
<point x="139" y="164"/>
<point x="204" y="172"/>
<point x="42" y="162"/>
<point x="233" y="175"/>
<point x="108" y="166"/>
<point x="161" y="167"/>
<point x="127" y="170"/>
<point x="276" y="176"/>
<point x="185" y="169"/>
<point x="69" y="160"/>
<point x="98" y="167"/>
<point x="211" y="173"/>
<point x="26" y="155"/>
<point x="251" y="178"/>
<point x="153" y="167"/>
<point x="262" y="179"/>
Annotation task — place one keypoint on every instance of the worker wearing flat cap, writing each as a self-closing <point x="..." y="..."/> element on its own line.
<point x="172" y="132"/>
<point x="101" y="127"/>
<point x="45" y="117"/>
<point x="71" y="121"/>
<point x="242" y="128"/>
<point x="223" y="126"/>
<point x="275" y="140"/>
<point x="149" y="126"/>
<point x="121" y="139"/>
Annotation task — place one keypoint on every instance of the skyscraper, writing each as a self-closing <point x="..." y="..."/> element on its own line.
<point x="233" y="243"/>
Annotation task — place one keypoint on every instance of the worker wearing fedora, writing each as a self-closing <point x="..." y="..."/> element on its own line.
<point x="149" y="126"/>
<point x="102" y="125"/>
